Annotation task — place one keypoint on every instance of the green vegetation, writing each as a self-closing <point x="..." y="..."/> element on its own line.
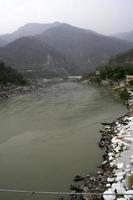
<point x="115" y="73"/>
<point x="9" y="75"/>
<point x="124" y="94"/>
<point x="118" y="67"/>
<point x="112" y="73"/>
<point x="131" y="82"/>
<point x="123" y="59"/>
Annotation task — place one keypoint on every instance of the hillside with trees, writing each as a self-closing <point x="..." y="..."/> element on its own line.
<point x="61" y="50"/>
<point x="118" y="67"/>
<point x="10" y="75"/>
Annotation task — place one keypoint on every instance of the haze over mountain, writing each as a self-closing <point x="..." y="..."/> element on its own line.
<point x="2" y="42"/>
<point x="123" y="60"/>
<point x="85" y="48"/>
<point x="30" y="29"/>
<point x="60" y="50"/>
<point x="125" y="36"/>
<point x="99" y="15"/>
<point x="29" y="53"/>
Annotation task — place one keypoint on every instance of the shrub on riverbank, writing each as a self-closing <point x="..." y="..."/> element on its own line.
<point x="10" y="75"/>
<point x="124" y="95"/>
<point x="112" y="73"/>
<point x="131" y="82"/>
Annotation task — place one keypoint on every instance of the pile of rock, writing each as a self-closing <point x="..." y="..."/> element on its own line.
<point x="111" y="178"/>
<point x="121" y="141"/>
<point x="17" y="90"/>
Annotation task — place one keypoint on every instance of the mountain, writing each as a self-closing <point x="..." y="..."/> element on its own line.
<point x="62" y="50"/>
<point x="123" y="60"/>
<point x="2" y="43"/>
<point x="29" y="54"/>
<point x="30" y="29"/>
<point x="85" y="48"/>
<point x="125" y="36"/>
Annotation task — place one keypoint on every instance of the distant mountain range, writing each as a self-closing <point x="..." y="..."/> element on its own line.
<point x="30" y="29"/>
<point x="58" y="49"/>
<point x="128" y="36"/>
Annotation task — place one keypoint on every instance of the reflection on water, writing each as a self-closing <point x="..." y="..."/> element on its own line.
<point x="48" y="137"/>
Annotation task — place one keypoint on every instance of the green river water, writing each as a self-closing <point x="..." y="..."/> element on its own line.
<point x="48" y="137"/>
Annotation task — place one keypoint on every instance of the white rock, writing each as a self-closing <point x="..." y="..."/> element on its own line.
<point x="106" y="195"/>
<point x="110" y="180"/>
<point x="110" y="154"/>
<point x="112" y="163"/>
<point x="108" y="185"/>
<point x="128" y="170"/>
<point x="131" y="161"/>
<point x="123" y="181"/>
<point x="114" y="185"/>
<point x="117" y="149"/>
<point x="120" y="165"/>
<point x="128" y="194"/>
<point x="120" y="190"/>
<point x="124" y="148"/>
<point x="117" y="155"/>
<point x="111" y="158"/>
<point x="122" y="173"/>
<point x="128" y="166"/>
<point x="104" y="162"/>
<point x="119" y="178"/>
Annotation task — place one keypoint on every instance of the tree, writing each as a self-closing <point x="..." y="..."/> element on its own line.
<point x="9" y="75"/>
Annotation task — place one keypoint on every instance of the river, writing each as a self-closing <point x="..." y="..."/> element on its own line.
<point x="48" y="137"/>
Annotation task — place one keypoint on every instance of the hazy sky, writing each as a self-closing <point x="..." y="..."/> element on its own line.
<point x="103" y="16"/>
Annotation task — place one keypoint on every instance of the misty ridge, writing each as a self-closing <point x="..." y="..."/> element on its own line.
<point x="59" y="49"/>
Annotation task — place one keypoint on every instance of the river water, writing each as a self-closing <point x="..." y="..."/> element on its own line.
<point x="48" y="137"/>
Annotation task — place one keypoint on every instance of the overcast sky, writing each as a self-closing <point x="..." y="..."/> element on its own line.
<point x="103" y="16"/>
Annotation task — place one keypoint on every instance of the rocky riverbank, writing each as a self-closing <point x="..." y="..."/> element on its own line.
<point x="13" y="90"/>
<point x="115" y="171"/>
